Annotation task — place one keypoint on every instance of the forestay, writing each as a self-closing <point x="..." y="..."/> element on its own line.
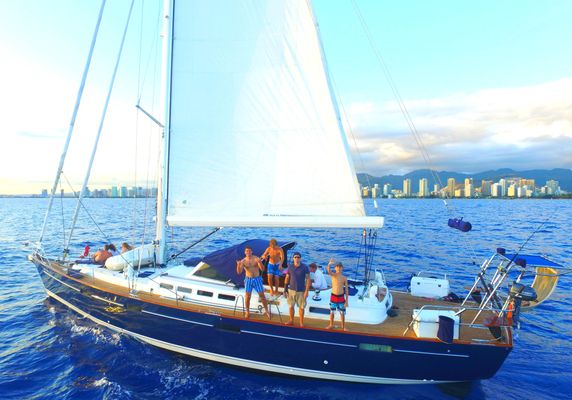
<point x="255" y="138"/>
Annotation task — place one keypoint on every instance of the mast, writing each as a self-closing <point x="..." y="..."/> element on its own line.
<point x="164" y="167"/>
<point x="72" y="122"/>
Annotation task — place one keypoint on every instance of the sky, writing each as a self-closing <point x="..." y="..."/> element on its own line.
<point x="487" y="84"/>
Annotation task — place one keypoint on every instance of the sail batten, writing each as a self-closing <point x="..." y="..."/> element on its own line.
<point x="253" y="129"/>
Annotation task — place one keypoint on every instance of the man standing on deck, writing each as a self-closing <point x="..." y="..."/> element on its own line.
<point x="275" y="256"/>
<point x="298" y="284"/>
<point x="252" y="268"/>
<point x="340" y="294"/>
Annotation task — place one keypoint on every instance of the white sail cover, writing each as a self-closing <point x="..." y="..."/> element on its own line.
<point x="255" y="139"/>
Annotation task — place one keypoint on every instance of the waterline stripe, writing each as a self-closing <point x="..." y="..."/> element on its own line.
<point x="178" y="319"/>
<point x="301" y="340"/>
<point x="433" y="354"/>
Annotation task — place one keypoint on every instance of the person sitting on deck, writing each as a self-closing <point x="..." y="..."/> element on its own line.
<point x="102" y="255"/>
<point x="339" y="296"/>
<point x="275" y="256"/>
<point x="298" y="283"/>
<point x="125" y="247"/>
<point x="112" y="249"/>
<point x="252" y="268"/>
<point x="317" y="277"/>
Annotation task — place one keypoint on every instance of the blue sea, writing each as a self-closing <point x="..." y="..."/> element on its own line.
<point x="48" y="352"/>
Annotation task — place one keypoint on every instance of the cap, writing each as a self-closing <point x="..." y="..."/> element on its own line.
<point x="296" y="254"/>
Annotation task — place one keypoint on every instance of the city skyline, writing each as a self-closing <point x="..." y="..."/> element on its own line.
<point x="510" y="187"/>
<point x="493" y="97"/>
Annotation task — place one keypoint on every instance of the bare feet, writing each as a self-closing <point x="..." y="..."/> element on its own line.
<point x="301" y="325"/>
<point x="330" y="327"/>
<point x="289" y="323"/>
<point x="246" y="315"/>
<point x="267" y="314"/>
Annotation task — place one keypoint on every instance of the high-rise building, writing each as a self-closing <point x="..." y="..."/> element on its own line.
<point x="451" y="186"/>
<point x="486" y="188"/>
<point x="407" y="187"/>
<point x="511" y="191"/>
<point x="374" y="191"/>
<point x="114" y="191"/>
<point x="504" y="187"/>
<point x="387" y="189"/>
<point x="495" y="190"/>
<point x="365" y="191"/>
<point x="123" y="191"/>
<point x="423" y="188"/>
<point x="469" y="188"/>
<point x="552" y="187"/>
<point x="44" y="192"/>
<point x="527" y="182"/>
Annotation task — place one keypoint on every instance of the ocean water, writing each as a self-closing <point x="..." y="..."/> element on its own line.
<point x="48" y="352"/>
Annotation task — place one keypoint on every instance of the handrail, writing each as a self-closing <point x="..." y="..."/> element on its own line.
<point x="241" y="297"/>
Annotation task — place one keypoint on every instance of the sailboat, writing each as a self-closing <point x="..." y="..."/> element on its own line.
<point x="253" y="138"/>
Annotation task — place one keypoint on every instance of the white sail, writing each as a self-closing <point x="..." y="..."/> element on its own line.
<point x="255" y="139"/>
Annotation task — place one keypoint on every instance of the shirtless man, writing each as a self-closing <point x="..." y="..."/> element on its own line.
<point x="102" y="255"/>
<point x="252" y="267"/>
<point x="275" y="256"/>
<point x="339" y="296"/>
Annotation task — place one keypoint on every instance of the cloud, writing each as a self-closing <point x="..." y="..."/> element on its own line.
<point x="520" y="128"/>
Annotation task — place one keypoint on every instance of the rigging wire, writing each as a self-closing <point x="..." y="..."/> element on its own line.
<point x="62" y="209"/>
<point x="105" y="237"/>
<point x="100" y="128"/>
<point x="73" y="119"/>
<point x="141" y="83"/>
<point x="407" y="117"/>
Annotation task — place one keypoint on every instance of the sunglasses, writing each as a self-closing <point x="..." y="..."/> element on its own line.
<point x="296" y="256"/>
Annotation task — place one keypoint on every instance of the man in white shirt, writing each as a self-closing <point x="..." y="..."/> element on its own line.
<point x="318" y="278"/>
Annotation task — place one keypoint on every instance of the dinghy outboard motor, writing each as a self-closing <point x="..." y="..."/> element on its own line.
<point x="523" y="292"/>
<point x="458" y="223"/>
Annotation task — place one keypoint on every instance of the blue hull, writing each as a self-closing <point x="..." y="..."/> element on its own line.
<point x="277" y="348"/>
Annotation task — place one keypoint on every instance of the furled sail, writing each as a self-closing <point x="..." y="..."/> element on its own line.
<point x="255" y="139"/>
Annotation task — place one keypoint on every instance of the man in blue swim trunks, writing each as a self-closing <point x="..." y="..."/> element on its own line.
<point x="275" y="256"/>
<point x="252" y="267"/>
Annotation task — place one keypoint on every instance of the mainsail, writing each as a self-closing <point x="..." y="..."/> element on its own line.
<point x="254" y="134"/>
